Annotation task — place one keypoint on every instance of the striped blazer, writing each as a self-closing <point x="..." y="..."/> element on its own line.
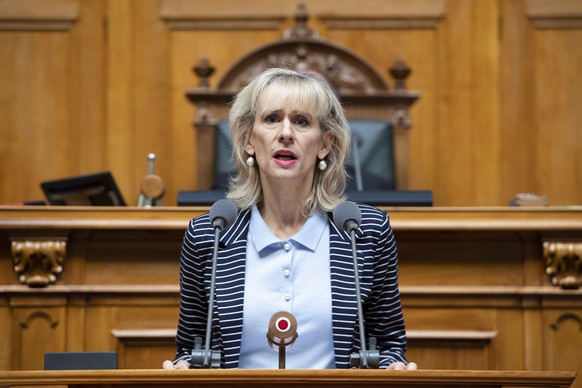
<point x="378" y="267"/>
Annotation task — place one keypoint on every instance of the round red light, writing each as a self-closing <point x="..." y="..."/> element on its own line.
<point x="283" y="324"/>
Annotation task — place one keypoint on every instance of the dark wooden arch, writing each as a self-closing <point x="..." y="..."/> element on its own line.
<point x="364" y="92"/>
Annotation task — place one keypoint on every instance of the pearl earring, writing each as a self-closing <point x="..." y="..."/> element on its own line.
<point x="322" y="165"/>
<point x="250" y="161"/>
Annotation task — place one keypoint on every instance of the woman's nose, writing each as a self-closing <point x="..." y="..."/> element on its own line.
<point x="286" y="134"/>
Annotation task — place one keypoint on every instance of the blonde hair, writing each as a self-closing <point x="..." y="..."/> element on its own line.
<point x="311" y="93"/>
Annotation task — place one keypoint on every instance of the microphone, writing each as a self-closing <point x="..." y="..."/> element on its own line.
<point x="222" y="215"/>
<point x="282" y="333"/>
<point x="357" y="143"/>
<point x="347" y="216"/>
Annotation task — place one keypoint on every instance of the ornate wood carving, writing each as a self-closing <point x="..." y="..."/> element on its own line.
<point x="38" y="262"/>
<point x="563" y="263"/>
<point x="362" y="89"/>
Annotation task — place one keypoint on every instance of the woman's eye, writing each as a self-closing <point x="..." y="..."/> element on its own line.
<point x="271" y="119"/>
<point x="302" y="122"/>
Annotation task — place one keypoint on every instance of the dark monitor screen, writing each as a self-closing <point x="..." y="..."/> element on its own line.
<point x="97" y="189"/>
<point x="80" y="360"/>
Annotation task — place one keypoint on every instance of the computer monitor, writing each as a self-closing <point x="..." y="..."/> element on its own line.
<point x="80" y="360"/>
<point x="97" y="189"/>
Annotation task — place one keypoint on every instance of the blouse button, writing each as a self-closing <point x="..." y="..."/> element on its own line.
<point x="287" y="246"/>
<point x="287" y="272"/>
<point x="287" y="297"/>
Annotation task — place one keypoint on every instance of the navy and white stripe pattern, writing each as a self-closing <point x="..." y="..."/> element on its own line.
<point x="378" y="266"/>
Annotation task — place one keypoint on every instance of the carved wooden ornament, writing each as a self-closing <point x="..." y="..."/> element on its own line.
<point x="37" y="263"/>
<point x="563" y="263"/>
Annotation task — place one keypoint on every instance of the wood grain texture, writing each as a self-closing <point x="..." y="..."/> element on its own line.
<point x="93" y="85"/>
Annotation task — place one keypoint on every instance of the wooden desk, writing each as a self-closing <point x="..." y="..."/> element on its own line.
<point x="474" y="285"/>
<point x="288" y="378"/>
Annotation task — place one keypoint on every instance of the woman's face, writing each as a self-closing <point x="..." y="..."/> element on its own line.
<point x="286" y="141"/>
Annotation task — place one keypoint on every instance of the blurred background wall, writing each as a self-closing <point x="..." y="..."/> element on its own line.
<point x="92" y="85"/>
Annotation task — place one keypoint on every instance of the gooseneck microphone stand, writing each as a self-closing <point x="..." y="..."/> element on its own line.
<point x="222" y="215"/>
<point x="347" y="215"/>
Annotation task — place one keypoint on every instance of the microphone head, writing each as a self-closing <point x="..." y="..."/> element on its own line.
<point x="223" y="213"/>
<point x="347" y="216"/>
<point x="282" y="330"/>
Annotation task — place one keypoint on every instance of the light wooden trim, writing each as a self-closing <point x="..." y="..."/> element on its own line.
<point x="400" y="14"/>
<point x="177" y="218"/>
<point x="159" y="290"/>
<point x="397" y="14"/>
<point x="454" y="335"/>
<point x="345" y="377"/>
<point x="351" y="23"/>
<point x="38" y="15"/>
<point x="220" y="24"/>
<point x="124" y="335"/>
<point x="179" y="15"/>
<point x="555" y="14"/>
<point x="412" y="296"/>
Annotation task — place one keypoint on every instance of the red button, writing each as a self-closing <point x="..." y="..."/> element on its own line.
<point x="283" y="324"/>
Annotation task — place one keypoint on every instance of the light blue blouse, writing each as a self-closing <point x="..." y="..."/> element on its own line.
<point x="290" y="275"/>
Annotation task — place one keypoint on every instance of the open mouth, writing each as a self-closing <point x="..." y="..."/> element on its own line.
<point x="285" y="155"/>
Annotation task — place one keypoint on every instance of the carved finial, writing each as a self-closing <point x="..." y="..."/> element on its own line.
<point x="203" y="70"/>
<point x="301" y="30"/>
<point x="400" y="72"/>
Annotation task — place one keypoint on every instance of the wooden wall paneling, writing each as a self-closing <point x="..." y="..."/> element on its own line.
<point x="100" y="321"/>
<point x="467" y="139"/>
<point x="5" y="334"/>
<point x="76" y="324"/>
<point x="54" y="85"/>
<point x="6" y="264"/>
<point x="86" y="92"/>
<point x="35" y="52"/>
<point x="485" y="166"/>
<point x="466" y="350"/>
<point x="533" y="329"/>
<point x="474" y="259"/>
<point x="510" y="352"/>
<point x="557" y="36"/>
<point x="75" y="260"/>
<point x="114" y="260"/>
<point x="450" y="338"/>
<point x="36" y="330"/>
<point x="563" y="345"/>
<point x="121" y="110"/>
<point x="559" y="149"/>
<point x="151" y="96"/>
<point x="144" y="349"/>
<point x="516" y="99"/>
<point x="453" y="179"/>
<point x="140" y="326"/>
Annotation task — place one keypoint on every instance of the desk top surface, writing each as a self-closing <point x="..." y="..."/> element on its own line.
<point x="176" y="218"/>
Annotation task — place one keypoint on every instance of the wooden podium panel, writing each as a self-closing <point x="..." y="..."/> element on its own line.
<point x="475" y="285"/>
<point x="287" y="378"/>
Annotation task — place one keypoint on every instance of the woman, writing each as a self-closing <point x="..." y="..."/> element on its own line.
<point x="283" y="252"/>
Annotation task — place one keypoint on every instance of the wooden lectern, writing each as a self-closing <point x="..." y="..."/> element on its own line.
<point x="287" y="378"/>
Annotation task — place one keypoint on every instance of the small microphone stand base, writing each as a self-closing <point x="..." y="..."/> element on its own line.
<point x="203" y="358"/>
<point x="366" y="359"/>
